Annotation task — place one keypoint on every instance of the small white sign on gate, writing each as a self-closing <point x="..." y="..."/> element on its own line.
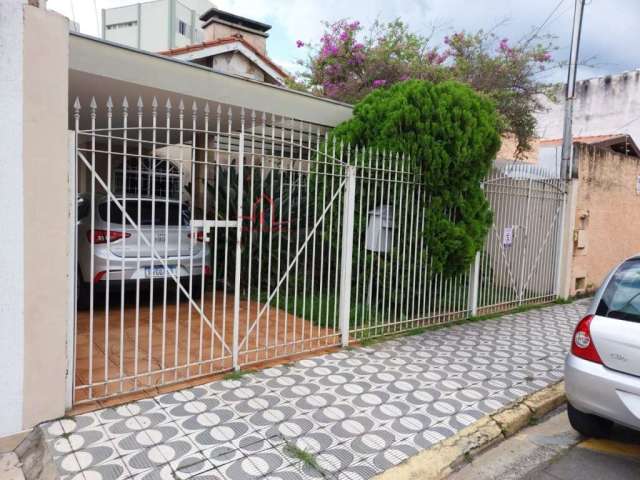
<point x="507" y="236"/>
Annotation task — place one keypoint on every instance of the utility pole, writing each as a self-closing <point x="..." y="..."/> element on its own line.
<point x="567" y="135"/>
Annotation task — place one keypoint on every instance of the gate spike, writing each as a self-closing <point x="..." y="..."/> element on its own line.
<point x="76" y="112"/>
<point x="206" y="108"/>
<point x="168" y="104"/>
<point x="194" y="106"/>
<point x="109" y="103"/>
<point x="181" y="105"/>
<point x="219" y="109"/>
<point x="125" y="103"/>
<point x="93" y="105"/>
<point x="140" y="104"/>
<point x="154" y="103"/>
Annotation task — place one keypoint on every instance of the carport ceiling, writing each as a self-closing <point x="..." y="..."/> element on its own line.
<point x="101" y="69"/>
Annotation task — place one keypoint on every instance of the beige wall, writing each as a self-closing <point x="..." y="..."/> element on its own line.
<point x="237" y="64"/>
<point x="46" y="222"/>
<point x="607" y="215"/>
<point x="509" y="146"/>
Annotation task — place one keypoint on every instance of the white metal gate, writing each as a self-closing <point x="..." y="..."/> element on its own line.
<point x="205" y="241"/>
<point x="520" y="260"/>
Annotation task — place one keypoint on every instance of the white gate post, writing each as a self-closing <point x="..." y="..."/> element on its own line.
<point x="73" y="269"/>
<point x="347" y="253"/>
<point x="236" y="295"/>
<point x="474" y="285"/>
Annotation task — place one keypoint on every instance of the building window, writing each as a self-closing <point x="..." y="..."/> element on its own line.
<point x="182" y="28"/>
<point x="116" y="26"/>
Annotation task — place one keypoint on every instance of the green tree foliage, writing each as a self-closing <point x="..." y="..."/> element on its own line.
<point x="451" y="135"/>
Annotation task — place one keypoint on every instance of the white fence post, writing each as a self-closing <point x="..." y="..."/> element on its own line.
<point x="236" y="293"/>
<point x="474" y="285"/>
<point x="347" y="253"/>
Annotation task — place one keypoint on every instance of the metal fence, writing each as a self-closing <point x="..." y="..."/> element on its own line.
<point x="210" y="238"/>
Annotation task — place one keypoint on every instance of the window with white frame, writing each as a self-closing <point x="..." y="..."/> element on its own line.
<point x="183" y="28"/>
<point x="145" y="179"/>
<point x="117" y="26"/>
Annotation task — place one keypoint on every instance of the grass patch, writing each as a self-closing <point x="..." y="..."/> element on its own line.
<point x="236" y="374"/>
<point x="305" y="457"/>
<point x="322" y="310"/>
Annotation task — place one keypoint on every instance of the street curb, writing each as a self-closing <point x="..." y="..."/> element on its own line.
<point x="445" y="457"/>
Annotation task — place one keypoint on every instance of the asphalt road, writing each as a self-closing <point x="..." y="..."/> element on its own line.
<point x="552" y="450"/>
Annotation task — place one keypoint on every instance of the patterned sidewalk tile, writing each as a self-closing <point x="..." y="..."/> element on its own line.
<point x="346" y="415"/>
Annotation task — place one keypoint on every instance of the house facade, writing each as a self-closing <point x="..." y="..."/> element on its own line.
<point x="48" y="75"/>
<point x="235" y="45"/>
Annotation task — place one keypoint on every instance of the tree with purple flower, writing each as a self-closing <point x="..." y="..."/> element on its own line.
<point x="350" y="62"/>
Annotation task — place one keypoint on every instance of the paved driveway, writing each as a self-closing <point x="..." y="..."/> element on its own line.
<point x="346" y="415"/>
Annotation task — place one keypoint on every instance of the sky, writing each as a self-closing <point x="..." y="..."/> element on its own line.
<point x="609" y="35"/>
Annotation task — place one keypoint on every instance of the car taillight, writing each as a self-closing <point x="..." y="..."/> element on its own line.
<point x="199" y="236"/>
<point x="582" y="345"/>
<point x="207" y="270"/>
<point x="100" y="236"/>
<point x="98" y="277"/>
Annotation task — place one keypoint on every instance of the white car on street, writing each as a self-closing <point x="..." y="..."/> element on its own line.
<point x="602" y="371"/>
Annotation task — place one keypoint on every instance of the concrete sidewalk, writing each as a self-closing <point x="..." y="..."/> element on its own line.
<point x="346" y="415"/>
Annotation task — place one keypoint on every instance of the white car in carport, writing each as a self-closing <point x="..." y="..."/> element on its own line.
<point x="111" y="248"/>
<point x="602" y="371"/>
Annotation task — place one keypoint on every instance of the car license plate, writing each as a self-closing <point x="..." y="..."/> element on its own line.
<point x="159" y="271"/>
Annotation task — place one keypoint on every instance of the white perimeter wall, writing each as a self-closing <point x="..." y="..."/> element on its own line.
<point x="603" y="105"/>
<point x="11" y="217"/>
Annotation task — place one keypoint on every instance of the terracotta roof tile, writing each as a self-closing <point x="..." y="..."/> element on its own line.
<point x="224" y="41"/>
<point x="590" y="139"/>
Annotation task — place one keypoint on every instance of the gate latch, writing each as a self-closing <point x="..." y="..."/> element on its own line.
<point x="207" y="225"/>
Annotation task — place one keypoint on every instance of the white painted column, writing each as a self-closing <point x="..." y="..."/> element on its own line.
<point x="11" y="217"/>
<point x="348" y="212"/>
<point x="567" y="227"/>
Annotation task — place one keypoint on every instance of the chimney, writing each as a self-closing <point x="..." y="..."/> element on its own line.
<point x="219" y="24"/>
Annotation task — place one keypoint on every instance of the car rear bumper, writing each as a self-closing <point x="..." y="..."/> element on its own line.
<point x="595" y="389"/>
<point x="132" y="269"/>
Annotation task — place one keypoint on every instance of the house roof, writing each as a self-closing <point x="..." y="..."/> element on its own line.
<point x="618" y="142"/>
<point x="236" y="38"/>
<point x="214" y="13"/>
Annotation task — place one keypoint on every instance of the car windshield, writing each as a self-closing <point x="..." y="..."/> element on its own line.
<point x="621" y="297"/>
<point x="147" y="213"/>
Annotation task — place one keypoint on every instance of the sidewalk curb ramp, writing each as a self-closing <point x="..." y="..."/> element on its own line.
<point x="445" y="457"/>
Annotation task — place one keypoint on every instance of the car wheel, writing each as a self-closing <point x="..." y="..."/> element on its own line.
<point x="587" y="424"/>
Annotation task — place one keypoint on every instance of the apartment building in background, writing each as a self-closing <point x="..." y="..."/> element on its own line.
<point x="157" y="25"/>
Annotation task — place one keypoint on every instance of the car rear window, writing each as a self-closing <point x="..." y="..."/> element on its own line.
<point x="148" y="214"/>
<point x="621" y="297"/>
